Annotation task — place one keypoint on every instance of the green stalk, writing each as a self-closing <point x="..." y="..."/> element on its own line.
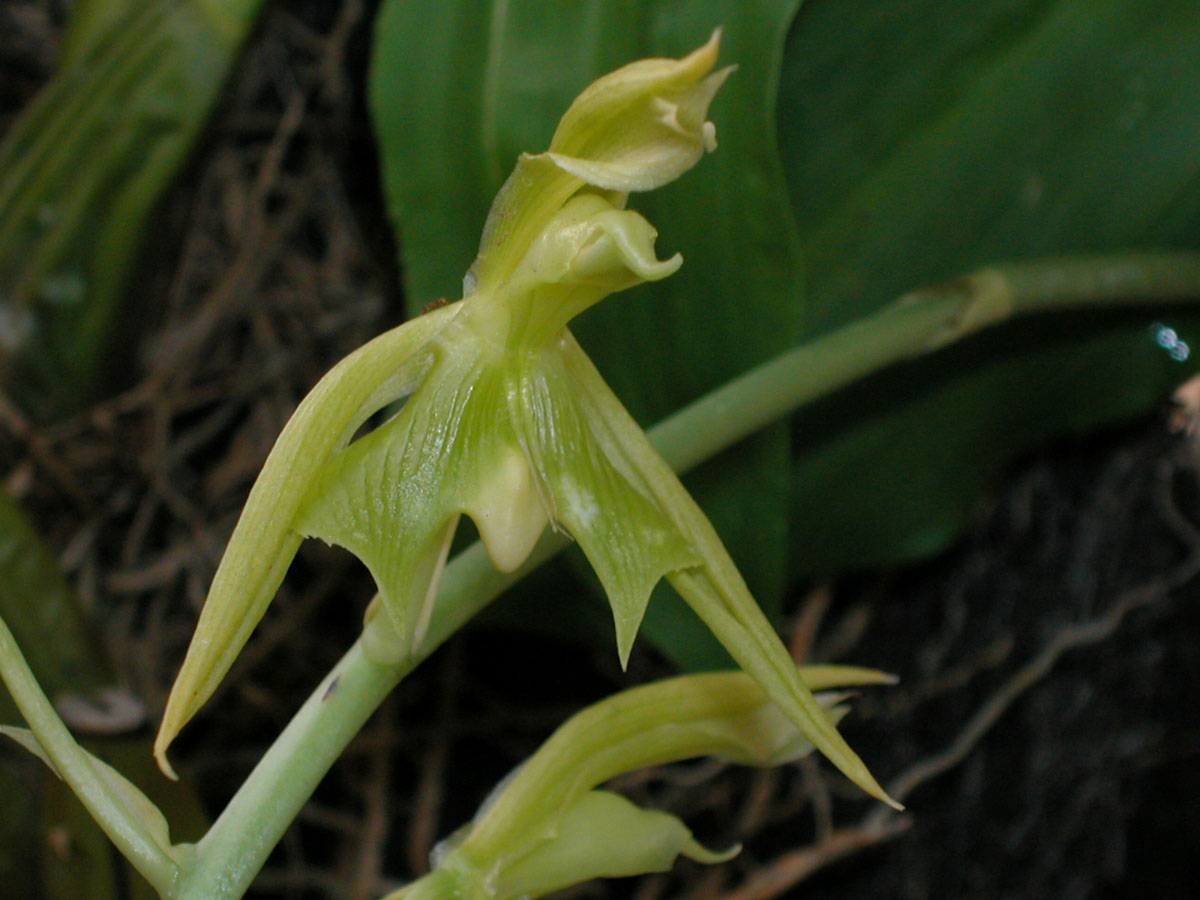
<point x="239" y="842"/>
<point x="918" y="323"/>
<point x="76" y="767"/>
<point x="237" y="845"/>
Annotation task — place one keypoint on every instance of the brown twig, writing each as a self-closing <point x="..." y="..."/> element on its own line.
<point x="804" y="630"/>
<point x="788" y="870"/>
<point x="1068" y="638"/>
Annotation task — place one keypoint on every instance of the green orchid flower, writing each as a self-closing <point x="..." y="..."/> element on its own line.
<point x="507" y="421"/>
<point x="547" y="826"/>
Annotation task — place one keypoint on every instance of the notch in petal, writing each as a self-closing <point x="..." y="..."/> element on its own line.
<point x="626" y="537"/>
<point x="393" y="497"/>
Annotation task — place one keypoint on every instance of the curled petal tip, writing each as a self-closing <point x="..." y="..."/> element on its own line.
<point x="688" y="116"/>
<point x="161" y="743"/>
<point x="705" y="56"/>
<point x="694" y="850"/>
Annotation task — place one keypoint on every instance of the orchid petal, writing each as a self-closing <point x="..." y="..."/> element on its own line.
<point x="714" y="588"/>
<point x="265" y="541"/>
<point x="547" y="826"/>
<point x="629" y="541"/>
<point x="393" y="497"/>
<point x="602" y="835"/>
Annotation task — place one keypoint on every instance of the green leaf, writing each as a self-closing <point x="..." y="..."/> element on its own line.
<point x="459" y="89"/>
<point x="81" y="170"/>
<point x="41" y="611"/>
<point x="142" y="809"/>
<point x="924" y="139"/>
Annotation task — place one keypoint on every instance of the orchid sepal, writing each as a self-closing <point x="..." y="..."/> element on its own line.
<point x="264" y="541"/>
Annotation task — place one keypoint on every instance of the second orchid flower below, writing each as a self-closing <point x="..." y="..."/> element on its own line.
<point x="549" y="825"/>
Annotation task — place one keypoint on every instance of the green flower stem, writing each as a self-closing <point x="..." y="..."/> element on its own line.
<point x="75" y="767"/>
<point x="437" y="885"/>
<point x="241" y="839"/>
<point x="917" y="323"/>
<point x="236" y="846"/>
<point x="238" y="843"/>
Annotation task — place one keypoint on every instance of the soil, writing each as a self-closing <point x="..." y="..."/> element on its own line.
<point x="1045" y="733"/>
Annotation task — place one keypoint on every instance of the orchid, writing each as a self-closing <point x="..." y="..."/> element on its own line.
<point x="548" y="826"/>
<point x="505" y="420"/>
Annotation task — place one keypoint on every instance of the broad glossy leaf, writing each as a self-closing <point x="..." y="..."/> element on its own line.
<point x="925" y="138"/>
<point x="460" y="89"/>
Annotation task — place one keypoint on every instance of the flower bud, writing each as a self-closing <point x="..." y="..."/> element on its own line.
<point x="547" y="827"/>
<point x="636" y="129"/>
